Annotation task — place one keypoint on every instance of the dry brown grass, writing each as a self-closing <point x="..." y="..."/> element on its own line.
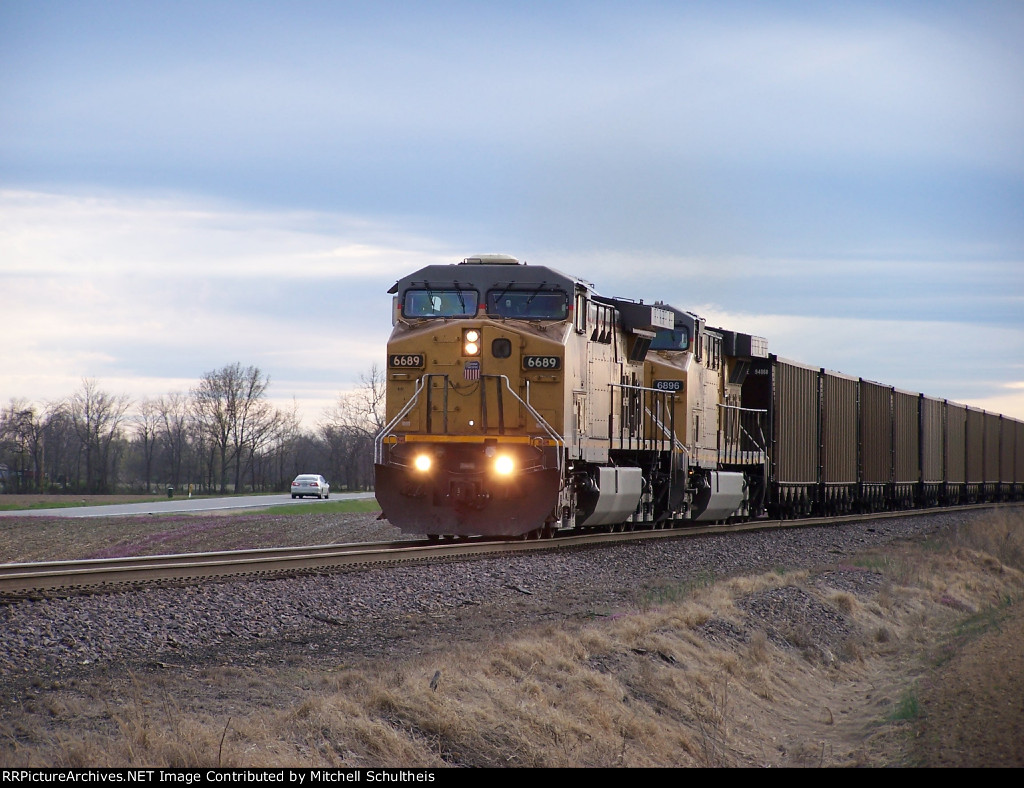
<point x="1000" y="536"/>
<point x="646" y="688"/>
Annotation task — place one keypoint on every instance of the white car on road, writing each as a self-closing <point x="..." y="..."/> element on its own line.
<point x="310" y="484"/>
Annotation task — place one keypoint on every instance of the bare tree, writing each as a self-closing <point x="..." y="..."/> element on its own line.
<point x="97" y="418"/>
<point x="223" y="430"/>
<point x="254" y="429"/>
<point x="348" y="429"/>
<point x="211" y="401"/>
<point x="173" y="415"/>
<point x="147" y="428"/>
<point x="229" y="405"/>
<point x="21" y="446"/>
<point x="264" y="434"/>
<point x="62" y="447"/>
<point x="361" y="410"/>
<point x="294" y="450"/>
<point x="369" y="399"/>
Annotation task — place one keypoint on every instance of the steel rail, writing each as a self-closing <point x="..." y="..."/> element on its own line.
<point x="112" y="574"/>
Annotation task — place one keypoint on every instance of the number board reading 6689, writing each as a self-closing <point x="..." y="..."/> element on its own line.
<point x="542" y="362"/>
<point x="406" y="360"/>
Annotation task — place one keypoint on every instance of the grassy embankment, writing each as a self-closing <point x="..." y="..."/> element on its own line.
<point x="643" y="686"/>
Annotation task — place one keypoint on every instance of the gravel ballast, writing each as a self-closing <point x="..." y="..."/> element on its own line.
<point x="369" y="613"/>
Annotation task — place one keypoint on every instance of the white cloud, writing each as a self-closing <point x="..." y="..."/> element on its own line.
<point x="125" y="237"/>
<point x="220" y="285"/>
<point x="140" y="294"/>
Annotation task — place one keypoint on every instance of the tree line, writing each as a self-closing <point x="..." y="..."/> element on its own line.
<point x="222" y="436"/>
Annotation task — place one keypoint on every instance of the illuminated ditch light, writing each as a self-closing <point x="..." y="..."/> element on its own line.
<point x="422" y="463"/>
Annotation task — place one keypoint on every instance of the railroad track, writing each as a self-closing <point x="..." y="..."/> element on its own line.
<point x="111" y="574"/>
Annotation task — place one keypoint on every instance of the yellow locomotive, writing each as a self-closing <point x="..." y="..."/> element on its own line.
<point x="520" y="403"/>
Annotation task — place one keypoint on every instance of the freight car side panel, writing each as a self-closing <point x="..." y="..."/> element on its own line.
<point x="1018" y="462"/>
<point x="992" y="448"/>
<point x="1007" y="441"/>
<point x="905" y="434"/>
<point x="875" y="432"/>
<point x="975" y="446"/>
<point x="838" y="429"/>
<point x="795" y="423"/>
<point x="932" y="440"/>
<point x="956" y="443"/>
<point x="1019" y="454"/>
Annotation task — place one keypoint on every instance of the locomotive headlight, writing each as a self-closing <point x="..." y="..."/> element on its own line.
<point x="504" y="465"/>
<point x="422" y="463"/>
<point x="471" y="342"/>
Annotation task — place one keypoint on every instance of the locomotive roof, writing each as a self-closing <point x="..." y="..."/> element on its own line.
<point x="484" y="272"/>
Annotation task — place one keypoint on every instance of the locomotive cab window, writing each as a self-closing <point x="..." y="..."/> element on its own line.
<point x="528" y="304"/>
<point x="440" y="303"/>
<point x="671" y="339"/>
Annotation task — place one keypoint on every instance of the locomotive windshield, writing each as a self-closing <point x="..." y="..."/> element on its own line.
<point x="671" y="339"/>
<point x="440" y="303"/>
<point x="528" y="304"/>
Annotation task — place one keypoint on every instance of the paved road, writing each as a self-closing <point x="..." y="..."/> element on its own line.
<point x="182" y="505"/>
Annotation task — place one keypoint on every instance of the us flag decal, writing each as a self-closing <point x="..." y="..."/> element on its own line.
<point x="472" y="370"/>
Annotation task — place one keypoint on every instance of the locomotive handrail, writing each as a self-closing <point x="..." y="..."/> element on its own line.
<point x="678" y="444"/>
<point x="733" y="429"/>
<point x="541" y="421"/>
<point x="762" y="444"/>
<point x="378" y="442"/>
<point x="670" y="434"/>
<point x="759" y="411"/>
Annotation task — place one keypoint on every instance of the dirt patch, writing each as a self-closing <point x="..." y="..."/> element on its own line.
<point x="42" y="538"/>
<point x="971" y="710"/>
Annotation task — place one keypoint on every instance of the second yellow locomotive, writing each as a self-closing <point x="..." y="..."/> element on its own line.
<point x="520" y="402"/>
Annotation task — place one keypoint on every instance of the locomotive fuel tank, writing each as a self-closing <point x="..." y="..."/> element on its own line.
<point x="718" y="495"/>
<point x="613" y="498"/>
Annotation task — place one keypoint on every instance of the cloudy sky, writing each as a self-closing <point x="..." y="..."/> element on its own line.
<point x="185" y="185"/>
